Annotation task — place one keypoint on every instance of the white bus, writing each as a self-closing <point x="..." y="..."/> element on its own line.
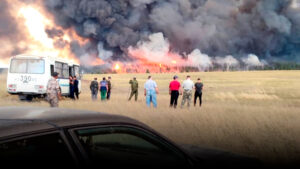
<point x="28" y="75"/>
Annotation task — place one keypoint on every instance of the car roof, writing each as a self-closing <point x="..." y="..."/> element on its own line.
<point x="19" y="120"/>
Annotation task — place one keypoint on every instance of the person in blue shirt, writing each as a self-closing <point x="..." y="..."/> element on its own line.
<point x="103" y="89"/>
<point x="150" y="91"/>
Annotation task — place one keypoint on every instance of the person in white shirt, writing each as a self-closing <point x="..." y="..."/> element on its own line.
<point x="187" y="86"/>
<point x="150" y="91"/>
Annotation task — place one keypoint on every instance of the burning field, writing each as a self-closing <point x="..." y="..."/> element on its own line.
<point x="153" y="35"/>
<point x="251" y="113"/>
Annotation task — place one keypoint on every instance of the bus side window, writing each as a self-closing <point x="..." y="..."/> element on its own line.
<point x="51" y="69"/>
<point x="71" y="71"/>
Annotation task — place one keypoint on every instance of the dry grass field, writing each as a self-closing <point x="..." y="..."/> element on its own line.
<point x="252" y="113"/>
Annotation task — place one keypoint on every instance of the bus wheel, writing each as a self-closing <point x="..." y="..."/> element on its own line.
<point x="22" y="97"/>
<point x="29" y="98"/>
<point x="25" y="97"/>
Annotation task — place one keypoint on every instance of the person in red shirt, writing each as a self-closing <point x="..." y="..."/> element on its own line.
<point x="174" y="88"/>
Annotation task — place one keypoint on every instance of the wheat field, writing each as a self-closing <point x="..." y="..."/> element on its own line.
<point x="253" y="113"/>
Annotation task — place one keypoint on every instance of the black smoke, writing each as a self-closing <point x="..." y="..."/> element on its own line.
<point x="10" y="32"/>
<point x="267" y="28"/>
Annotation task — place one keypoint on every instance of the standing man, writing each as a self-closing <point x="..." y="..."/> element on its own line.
<point x="134" y="89"/>
<point x="108" y="87"/>
<point x="53" y="90"/>
<point x="71" y="88"/>
<point x="103" y="89"/>
<point x="174" y="88"/>
<point x="150" y="91"/>
<point x="187" y="86"/>
<point x="76" y="88"/>
<point x="94" y="89"/>
<point x="198" y="92"/>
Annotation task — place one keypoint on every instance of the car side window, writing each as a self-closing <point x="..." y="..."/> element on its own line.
<point x="125" y="146"/>
<point x="45" y="150"/>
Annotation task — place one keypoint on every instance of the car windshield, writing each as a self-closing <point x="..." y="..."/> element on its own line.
<point x="27" y="66"/>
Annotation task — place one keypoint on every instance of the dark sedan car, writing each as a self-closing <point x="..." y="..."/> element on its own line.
<point x="52" y="138"/>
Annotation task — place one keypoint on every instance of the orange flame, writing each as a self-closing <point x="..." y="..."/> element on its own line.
<point x="117" y="67"/>
<point x="96" y="62"/>
<point x="34" y="20"/>
<point x="40" y="44"/>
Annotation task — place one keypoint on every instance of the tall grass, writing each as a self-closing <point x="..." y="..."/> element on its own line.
<point x="251" y="113"/>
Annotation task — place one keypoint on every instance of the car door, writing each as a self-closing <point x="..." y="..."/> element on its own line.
<point x="43" y="150"/>
<point x="126" y="146"/>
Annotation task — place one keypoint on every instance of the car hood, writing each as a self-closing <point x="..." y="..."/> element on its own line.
<point x="205" y="157"/>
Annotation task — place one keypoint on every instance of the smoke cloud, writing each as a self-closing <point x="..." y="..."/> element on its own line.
<point x="266" y="28"/>
<point x="200" y="60"/>
<point x="102" y="53"/>
<point x="199" y="32"/>
<point x="9" y="32"/>
<point x="155" y="49"/>
<point x="252" y="60"/>
<point x="227" y="62"/>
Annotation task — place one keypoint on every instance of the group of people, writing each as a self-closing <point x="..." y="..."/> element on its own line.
<point x="103" y="86"/>
<point x="150" y="90"/>
<point x="54" y="90"/>
<point x="73" y="87"/>
<point x="175" y="89"/>
<point x="187" y="91"/>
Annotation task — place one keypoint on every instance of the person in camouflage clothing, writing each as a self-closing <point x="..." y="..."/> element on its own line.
<point x="134" y="88"/>
<point x="187" y="86"/>
<point x="94" y="86"/>
<point x="53" y="90"/>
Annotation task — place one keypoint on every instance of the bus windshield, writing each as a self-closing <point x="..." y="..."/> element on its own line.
<point x="28" y="66"/>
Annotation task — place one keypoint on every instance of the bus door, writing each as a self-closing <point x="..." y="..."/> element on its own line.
<point x="63" y="77"/>
<point x="71" y="71"/>
<point x="77" y="74"/>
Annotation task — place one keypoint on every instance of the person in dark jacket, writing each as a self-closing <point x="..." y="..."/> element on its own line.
<point x="108" y="87"/>
<point x="198" y="92"/>
<point x="71" y="87"/>
<point x="94" y="87"/>
<point x="76" y="88"/>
